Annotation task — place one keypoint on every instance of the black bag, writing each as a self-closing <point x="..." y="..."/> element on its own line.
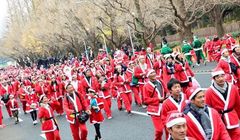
<point x="82" y="117"/>
<point x="233" y="67"/>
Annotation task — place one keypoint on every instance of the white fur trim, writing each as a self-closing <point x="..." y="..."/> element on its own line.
<point x="195" y="92"/>
<point x="215" y="73"/>
<point x="175" y="121"/>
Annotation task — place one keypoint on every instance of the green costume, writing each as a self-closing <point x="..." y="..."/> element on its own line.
<point x="166" y="49"/>
<point x="186" y="48"/>
<point x="197" y="47"/>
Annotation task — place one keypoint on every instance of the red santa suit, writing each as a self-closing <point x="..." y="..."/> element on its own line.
<point x="6" y="91"/>
<point x="96" y="114"/>
<point x="196" y="130"/>
<point x="22" y="97"/>
<point x="236" y="62"/>
<point x="183" y="73"/>
<point x="158" y="67"/>
<point x="135" y="88"/>
<point x="209" y="49"/>
<point x="225" y="66"/>
<point x="124" y="91"/>
<point x="41" y="89"/>
<point x="104" y="94"/>
<point x="32" y="101"/>
<point x="150" y="60"/>
<point x="152" y="97"/>
<point x="54" y="91"/>
<point x="228" y="108"/>
<point x="49" y="124"/>
<point x="230" y="42"/>
<point x="140" y="73"/>
<point x="217" y="46"/>
<point x="1" y="115"/>
<point x="72" y="105"/>
<point x="85" y="85"/>
<point x="168" y="73"/>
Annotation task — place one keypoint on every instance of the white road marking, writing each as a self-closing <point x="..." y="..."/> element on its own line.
<point x="140" y="113"/>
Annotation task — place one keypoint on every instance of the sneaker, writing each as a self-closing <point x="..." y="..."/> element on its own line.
<point x="35" y="122"/>
<point x="109" y="118"/>
<point x="197" y="64"/>
<point x="144" y="106"/>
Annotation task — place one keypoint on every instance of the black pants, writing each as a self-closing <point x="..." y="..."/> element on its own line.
<point x="198" y="54"/>
<point x="34" y="115"/>
<point x="15" y="114"/>
<point x="97" y="129"/>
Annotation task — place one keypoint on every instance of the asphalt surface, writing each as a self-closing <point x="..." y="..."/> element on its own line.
<point x="122" y="126"/>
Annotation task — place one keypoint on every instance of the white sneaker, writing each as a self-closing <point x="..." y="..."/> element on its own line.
<point x="144" y="106"/>
<point x="109" y="118"/>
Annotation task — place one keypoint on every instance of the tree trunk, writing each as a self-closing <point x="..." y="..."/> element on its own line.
<point x="217" y="19"/>
<point x="186" y="33"/>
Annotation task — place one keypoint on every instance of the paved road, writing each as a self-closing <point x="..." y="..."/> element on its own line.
<point x="121" y="127"/>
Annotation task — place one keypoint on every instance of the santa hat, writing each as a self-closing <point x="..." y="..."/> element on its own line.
<point x="191" y="92"/>
<point x="148" y="48"/>
<point x="223" y="51"/>
<point x="130" y="62"/>
<point x="175" y="117"/>
<point x="150" y="71"/>
<point x="217" y="71"/>
<point x="118" y="66"/>
<point x="141" y="57"/>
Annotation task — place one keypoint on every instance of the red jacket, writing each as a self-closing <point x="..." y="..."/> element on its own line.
<point x="140" y="74"/>
<point x="158" y="67"/>
<point x="13" y="104"/>
<point x="123" y="83"/>
<point x="195" y="129"/>
<point x="70" y="108"/>
<point x="85" y="85"/>
<point x="215" y="100"/>
<point x="182" y="73"/>
<point x="225" y="66"/>
<point x="46" y="114"/>
<point x="152" y="97"/>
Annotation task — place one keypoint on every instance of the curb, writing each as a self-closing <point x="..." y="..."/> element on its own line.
<point x="201" y="71"/>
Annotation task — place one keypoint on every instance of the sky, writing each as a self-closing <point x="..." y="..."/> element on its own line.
<point x="3" y="16"/>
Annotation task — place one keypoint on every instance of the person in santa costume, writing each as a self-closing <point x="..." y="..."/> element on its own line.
<point x="208" y="47"/>
<point x="186" y="50"/>
<point x="134" y="86"/>
<point x="230" y="42"/>
<point x="158" y="66"/>
<point x="105" y="94"/>
<point x="54" y="90"/>
<point x="176" y="101"/>
<point x="22" y="97"/>
<point x="176" y="126"/>
<point x="203" y="122"/>
<point x="32" y="104"/>
<point x="224" y="97"/>
<point x="1" y="115"/>
<point x="227" y="66"/>
<point x="150" y="58"/>
<point x="14" y="107"/>
<point x="123" y="88"/>
<point x="41" y="87"/>
<point x="89" y="81"/>
<point x="183" y="72"/>
<point x="46" y="116"/>
<point x="168" y="68"/>
<point x="74" y="103"/>
<point x="140" y="72"/>
<point x="5" y="91"/>
<point x="155" y="93"/>
<point x="216" y="46"/>
<point x="197" y="47"/>
<point x="235" y="59"/>
<point x="96" y="117"/>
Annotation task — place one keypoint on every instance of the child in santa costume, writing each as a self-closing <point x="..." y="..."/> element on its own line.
<point x="224" y="97"/>
<point x="176" y="126"/>
<point x="203" y="122"/>
<point x="96" y="117"/>
<point x="176" y="101"/>
<point x="32" y="104"/>
<point x="14" y="107"/>
<point x="47" y="119"/>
